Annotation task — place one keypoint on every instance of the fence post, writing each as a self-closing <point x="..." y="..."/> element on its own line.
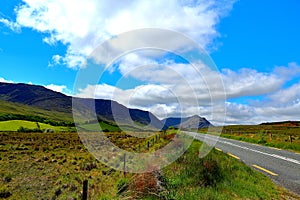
<point x="85" y="190"/>
<point x="124" y="167"/>
<point x="148" y="144"/>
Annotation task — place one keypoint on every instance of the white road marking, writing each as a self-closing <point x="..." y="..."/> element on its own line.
<point x="210" y="137"/>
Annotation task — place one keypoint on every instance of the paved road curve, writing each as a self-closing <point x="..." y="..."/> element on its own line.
<point x="283" y="167"/>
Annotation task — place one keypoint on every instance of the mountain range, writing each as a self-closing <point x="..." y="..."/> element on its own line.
<point x="37" y="100"/>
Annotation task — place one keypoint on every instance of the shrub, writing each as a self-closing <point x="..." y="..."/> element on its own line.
<point x="7" y="178"/>
<point x="211" y="173"/>
<point x="27" y="130"/>
<point x="4" y="192"/>
<point x="144" y="184"/>
<point x="122" y="185"/>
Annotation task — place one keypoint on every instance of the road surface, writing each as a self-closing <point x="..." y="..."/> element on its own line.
<point x="283" y="167"/>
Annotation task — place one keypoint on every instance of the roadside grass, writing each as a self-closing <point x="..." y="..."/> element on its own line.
<point x="14" y="125"/>
<point x="217" y="176"/>
<point x="280" y="141"/>
<point x="278" y="136"/>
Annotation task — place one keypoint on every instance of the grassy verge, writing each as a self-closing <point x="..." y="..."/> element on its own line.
<point x="217" y="176"/>
<point x="281" y="141"/>
<point x="282" y="135"/>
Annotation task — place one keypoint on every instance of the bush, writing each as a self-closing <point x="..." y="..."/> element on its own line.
<point x="7" y="178"/>
<point x="28" y="130"/>
<point x="122" y="185"/>
<point x="4" y="192"/>
<point x="211" y="173"/>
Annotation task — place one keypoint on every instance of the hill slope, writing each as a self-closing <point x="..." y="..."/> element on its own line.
<point x="36" y="96"/>
<point x="10" y="111"/>
<point x="47" y="103"/>
<point x="40" y="101"/>
<point x="193" y="122"/>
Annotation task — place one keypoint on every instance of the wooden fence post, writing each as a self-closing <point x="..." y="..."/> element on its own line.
<point x="124" y="167"/>
<point x="85" y="190"/>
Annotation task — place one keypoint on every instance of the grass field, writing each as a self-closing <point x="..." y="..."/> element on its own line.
<point x="273" y="135"/>
<point x="102" y="125"/>
<point x="110" y="127"/>
<point x="54" y="165"/>
<point x="14" y="125"/>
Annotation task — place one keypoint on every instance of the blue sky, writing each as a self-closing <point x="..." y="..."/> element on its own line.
<point x="254" y="44"/>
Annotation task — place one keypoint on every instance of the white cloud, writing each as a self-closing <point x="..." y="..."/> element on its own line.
<point x="170" y="96"/>
<point x="286" y="96"/>
<point x="81" y="25"/>
<point x="249" y="82"/>
<point x="56" y="60"/>
<point x="3" y="80"/>
<point x="288" y="72"/>
<point x="13" y="26"/>
<point x="57" y="88"/>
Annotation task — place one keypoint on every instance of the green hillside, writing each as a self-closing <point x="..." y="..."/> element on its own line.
<point x="14" y="125"/>
<point x="9" y="108"/>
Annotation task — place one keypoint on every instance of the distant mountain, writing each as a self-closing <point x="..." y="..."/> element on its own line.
<point x="42" y="99"/>
<point x="172" y="121"/>
<point x="84" y="108"/>
<point x="112" y="111"/>
<point x="195" y="122"/>
<point x="192" y="122"/>
<point x="36" y="96"/>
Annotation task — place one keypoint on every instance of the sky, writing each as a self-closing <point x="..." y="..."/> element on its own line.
<point x="254" y="47"/>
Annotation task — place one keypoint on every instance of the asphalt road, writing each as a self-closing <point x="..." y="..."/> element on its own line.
<point x="283" y="167"/>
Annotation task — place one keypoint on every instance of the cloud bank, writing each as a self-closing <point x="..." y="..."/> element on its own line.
<point x="276" y="101"/>
<point x="82" y="25"/>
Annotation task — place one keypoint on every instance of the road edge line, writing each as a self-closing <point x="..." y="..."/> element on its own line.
<point x="218" y="149"/>
<point x="234" y="156"/>
<point x="265" y="170"/>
